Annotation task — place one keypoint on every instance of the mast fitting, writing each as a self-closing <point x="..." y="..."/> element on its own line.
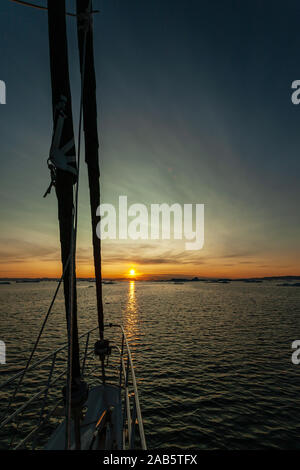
<point x="102" y="348"/>
<point x="85" y="21"/>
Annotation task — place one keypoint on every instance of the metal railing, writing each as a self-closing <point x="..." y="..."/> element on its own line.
<point x="30" y="415"/>
<point x="135" y="415"/>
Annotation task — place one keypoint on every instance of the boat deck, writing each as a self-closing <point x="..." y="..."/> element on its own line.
<point x="100" y="399"/>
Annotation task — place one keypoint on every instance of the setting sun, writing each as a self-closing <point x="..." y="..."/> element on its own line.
<point x="132" y="272"/>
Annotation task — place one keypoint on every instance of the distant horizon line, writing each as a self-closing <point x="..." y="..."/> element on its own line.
<point x="158" y="277"/>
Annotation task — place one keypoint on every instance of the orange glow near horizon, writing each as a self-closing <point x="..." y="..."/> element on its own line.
<point x="33" y="268"/>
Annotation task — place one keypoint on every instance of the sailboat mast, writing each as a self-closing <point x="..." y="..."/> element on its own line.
<point x="89" y="104"/>
<point x="62" y="162"/>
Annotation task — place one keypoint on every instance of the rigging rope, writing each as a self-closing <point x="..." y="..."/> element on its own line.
<point x="40" y="333"/>
<point x="73" y="250"/>
<point x="40" y="7"/>
<point x="35" y="346"/>
<point x="70" y="263"/>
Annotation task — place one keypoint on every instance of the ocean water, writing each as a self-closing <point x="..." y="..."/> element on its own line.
<point x="213" y="361"/>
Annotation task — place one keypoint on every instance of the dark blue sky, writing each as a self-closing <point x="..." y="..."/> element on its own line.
<point x="194" y="106"/>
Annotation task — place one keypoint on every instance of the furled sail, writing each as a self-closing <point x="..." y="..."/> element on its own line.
<point x="62" y="161"/>
<point x="89" y="104"/>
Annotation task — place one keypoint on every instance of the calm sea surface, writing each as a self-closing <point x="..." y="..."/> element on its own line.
<point x="213" y="361"/>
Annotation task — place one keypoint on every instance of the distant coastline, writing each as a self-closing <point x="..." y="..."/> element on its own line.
<point x="172" y="278"/>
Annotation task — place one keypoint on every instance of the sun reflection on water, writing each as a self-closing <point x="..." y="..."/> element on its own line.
<point x="131" y="313"/>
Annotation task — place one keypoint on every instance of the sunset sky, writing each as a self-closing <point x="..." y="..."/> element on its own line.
<point x="194" y="102"/>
